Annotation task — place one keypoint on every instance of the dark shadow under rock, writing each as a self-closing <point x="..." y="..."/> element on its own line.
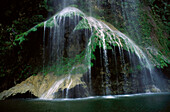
<point x="23" y="96"/>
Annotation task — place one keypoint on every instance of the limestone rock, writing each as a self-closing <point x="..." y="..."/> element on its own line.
<point x="153" y="89"/>
<point x="40" y="84"/>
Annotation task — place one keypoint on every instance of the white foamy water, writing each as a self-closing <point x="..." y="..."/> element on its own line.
<point x="106" y="97"/>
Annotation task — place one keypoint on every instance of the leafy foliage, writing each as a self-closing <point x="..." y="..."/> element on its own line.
<point x="16" y="18"/>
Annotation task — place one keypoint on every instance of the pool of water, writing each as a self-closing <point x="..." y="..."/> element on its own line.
<point x="118" y="103"/>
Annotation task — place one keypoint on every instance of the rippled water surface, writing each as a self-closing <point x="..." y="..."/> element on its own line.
<point x="118" y="103"/>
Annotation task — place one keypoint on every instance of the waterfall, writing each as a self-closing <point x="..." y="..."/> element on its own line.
<point x="44" y="45"/>
<point x="69" y="79"/>
<point x="72" y="32"/>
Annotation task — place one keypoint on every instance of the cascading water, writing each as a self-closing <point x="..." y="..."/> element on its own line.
<point x="66" y="40"/>
<point x="119" y="38"/>
<point x="44" y="45"/>
<point x="69" y="79"/>
<point x="60" y="46"/>
<point x="49" y="94"/>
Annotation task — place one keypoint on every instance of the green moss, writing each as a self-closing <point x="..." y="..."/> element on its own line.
<point x="65" y="65"/>
<point x="83" y="24"/>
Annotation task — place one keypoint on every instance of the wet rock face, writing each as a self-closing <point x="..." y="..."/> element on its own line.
<point x="63" y="40"/>
<point x="76" y="42"/>
<point x="124" y="78"/>
<point x="79" y="91"/>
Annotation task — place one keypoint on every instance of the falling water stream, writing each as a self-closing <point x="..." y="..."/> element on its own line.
<point x="71" y="19"/>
